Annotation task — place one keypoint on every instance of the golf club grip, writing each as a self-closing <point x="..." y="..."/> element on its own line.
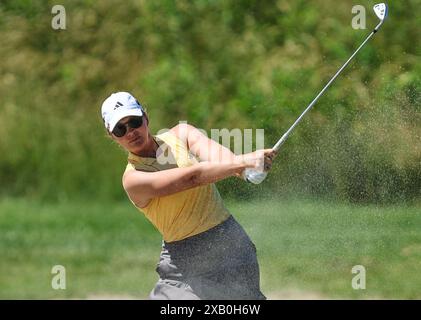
<point x="254" y="176"/>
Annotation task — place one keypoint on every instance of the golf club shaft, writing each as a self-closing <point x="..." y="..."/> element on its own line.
<point x="257" y="176"/>
<point x="286" y="134"/>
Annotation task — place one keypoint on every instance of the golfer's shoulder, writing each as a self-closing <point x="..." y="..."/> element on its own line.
<point x="128" y="173"/>
<point x="132" y="171"/>
<point x="186" y="133"/>
<point x="182" y="130"/>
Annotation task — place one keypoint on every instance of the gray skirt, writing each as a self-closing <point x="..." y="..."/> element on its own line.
<point x="219" y="263"/>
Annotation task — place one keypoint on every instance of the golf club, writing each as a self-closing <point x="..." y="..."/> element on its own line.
<point x="257" y="176"/>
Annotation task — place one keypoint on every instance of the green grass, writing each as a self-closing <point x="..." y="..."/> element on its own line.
<point x="111" y="249"/>
<point x="313" y="246"/>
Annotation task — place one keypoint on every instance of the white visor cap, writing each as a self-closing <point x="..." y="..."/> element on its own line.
<point x="118" y="106"/>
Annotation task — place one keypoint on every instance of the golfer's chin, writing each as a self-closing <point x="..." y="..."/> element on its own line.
<point x="136" y="145"/>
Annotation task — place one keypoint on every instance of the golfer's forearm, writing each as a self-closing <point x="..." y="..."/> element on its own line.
<point x="209" y="172"/>
<point x="215" y="152"/>
<point x="205" y="148"/>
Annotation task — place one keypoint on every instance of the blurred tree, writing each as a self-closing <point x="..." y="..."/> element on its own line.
<point x="216" y="64"/>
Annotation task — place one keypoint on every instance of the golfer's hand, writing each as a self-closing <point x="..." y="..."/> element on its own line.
<point x="269" y="156"/>
<point x="259" y="160"/>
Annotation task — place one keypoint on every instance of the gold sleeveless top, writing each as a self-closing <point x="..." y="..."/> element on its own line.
<point x="182" y="214"/>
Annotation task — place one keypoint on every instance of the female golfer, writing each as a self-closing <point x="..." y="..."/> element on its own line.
<point x="170" y="177"/>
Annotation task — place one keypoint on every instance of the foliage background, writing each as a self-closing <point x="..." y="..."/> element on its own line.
<point x="217" y="64"/>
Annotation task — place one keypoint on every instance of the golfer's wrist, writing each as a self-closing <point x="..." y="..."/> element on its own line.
<point x="240" y="170"/>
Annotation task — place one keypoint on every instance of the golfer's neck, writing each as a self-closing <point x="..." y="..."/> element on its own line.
<point x="150" y="149"/>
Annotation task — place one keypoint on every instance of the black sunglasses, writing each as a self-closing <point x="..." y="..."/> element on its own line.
<point x="121" y="129"/>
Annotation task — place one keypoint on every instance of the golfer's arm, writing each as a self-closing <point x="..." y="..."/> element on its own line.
<point x="201" y="146"/>
<point x="143" y="186"/>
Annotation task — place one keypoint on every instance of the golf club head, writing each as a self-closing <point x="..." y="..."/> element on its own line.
<point x="254" y="176"/>
<point x="380" y="10"/>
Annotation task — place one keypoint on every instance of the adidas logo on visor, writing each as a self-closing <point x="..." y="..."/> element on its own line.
<point x="119" y="104"/>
